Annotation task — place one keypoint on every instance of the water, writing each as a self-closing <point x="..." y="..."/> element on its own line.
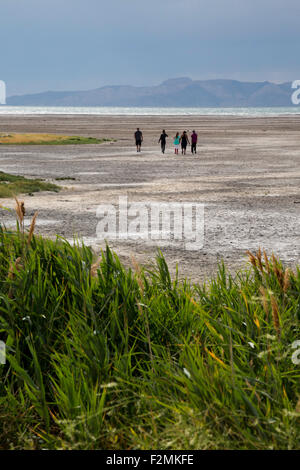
<point x="116" y="111"/>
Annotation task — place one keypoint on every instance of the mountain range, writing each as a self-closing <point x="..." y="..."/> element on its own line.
<point x="178" y="92"/>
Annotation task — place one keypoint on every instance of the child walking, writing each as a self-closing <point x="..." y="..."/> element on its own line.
<point x="176" y="143"/>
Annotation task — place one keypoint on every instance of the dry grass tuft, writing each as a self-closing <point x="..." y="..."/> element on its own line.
<point x="95" y="267"/>
<point x="31" y="229"/>
<point x="252" y="259"/>
<point x="46" y="139"/>
<point x="20" y="210"/>
<point x="275" y="315"/>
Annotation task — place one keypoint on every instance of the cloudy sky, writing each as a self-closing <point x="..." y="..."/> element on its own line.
<point x="84" y="44"/>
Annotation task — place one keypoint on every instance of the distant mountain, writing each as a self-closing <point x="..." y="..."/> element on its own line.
<point x="171" y="93"/>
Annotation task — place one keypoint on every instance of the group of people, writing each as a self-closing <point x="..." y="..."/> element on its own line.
<point x="182" y="141"/>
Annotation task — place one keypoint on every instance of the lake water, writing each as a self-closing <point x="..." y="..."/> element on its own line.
<point x="111" y="111"/>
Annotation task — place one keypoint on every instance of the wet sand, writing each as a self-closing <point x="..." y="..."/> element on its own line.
<point x="246" y="173"/>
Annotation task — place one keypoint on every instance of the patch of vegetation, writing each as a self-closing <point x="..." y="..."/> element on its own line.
<point x="47" y="139"/>
<point x="63" y="178"/>
<point x="11" y="185"/>
<point x="103" y="357"/>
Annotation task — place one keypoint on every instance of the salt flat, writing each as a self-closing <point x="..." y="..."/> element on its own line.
<point x="246" y="173"/>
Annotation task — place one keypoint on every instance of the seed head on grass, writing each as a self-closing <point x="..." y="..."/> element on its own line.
<point x="259" y="260"/>
<point x="20" y="210"/>
<point x="31" y="229"/>
<point x="275" y="315"/>
<point x="267" y="264"/>
<point x="277" y="270"/>
<point x="94" y="268"/>
<point x="252" y="259"/>
<point x="13" y="267"/>
<point x="286" y="280"/>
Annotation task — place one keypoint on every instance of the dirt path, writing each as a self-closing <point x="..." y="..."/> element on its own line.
<point x="246" y="173"/>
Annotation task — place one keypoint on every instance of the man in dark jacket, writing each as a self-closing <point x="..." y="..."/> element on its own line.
<point x="162" y="141"/>
<point x="138" y="139"/>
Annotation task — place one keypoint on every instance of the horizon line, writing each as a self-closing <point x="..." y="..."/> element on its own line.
<point x="149" y="86"/>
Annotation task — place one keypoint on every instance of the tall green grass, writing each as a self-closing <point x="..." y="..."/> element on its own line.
<point x="103" y="357"/>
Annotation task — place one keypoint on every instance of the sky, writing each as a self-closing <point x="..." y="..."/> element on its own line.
<point x="86" y="44"/>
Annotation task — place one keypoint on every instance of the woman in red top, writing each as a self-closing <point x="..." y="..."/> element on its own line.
<point x="194" y="139"/>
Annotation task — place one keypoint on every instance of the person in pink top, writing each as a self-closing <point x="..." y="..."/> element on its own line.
<point x="194" y="139"/>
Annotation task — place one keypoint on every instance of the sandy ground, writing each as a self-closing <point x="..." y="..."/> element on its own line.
<point x="246" y="173"/>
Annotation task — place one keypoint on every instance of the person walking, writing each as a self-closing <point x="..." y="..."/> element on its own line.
<point x="176" y="143"/>
<point x="194" y="139"/>
<point x="184" y="141"/>
<point x="138" y="139"/>
<point x="162" y="140"/>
